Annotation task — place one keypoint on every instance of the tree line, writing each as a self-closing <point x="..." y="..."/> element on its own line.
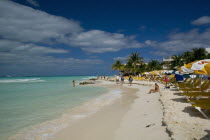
<point x="135" y="65"/>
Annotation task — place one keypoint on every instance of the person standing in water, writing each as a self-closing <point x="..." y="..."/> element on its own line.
<point x="73" y="82"/>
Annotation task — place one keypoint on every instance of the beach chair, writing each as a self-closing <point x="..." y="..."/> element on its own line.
<point x="196" y="94"/>
<point x="185" y="82"/>
<point x="194" y="84"/>
<point x="188" y="83"/>
<point x="204" y="86"/>
<point x="203" y="100"/>
<point x="202" y="105"/>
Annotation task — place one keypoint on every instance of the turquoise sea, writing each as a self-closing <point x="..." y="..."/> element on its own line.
<point x="27" y="101"/>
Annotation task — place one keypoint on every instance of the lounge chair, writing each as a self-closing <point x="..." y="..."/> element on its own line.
<point x="196" y="94"/>
<point x="194" y="84"/>
<point x="202" y="105"/>
<point x="204" y="86"/>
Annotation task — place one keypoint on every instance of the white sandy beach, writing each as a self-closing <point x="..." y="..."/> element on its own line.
<point x="135" y="116"/>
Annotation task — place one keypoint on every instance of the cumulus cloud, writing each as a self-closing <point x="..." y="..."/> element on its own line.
<point x="22" y="23"/>
<point x="202" y="20"/>
<point x="27" y="65"/>
<point x="23" y="29"/>
<point x="182" y="41"/>
<point x="18" y="47"/>
<point x="28" y="59"/>
<point x="150" y="43"/>
<point x="33" y="2"/>
<point x="96" y="41"/>
<point x="25" y="24"/>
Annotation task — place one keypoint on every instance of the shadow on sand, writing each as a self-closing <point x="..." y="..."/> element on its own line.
<point x="181" y="100"/>
<point x="178" y="94"/>
<point x="207" y="136"/>
<point x="174" y="89"/>
<point x="193" y="112"/>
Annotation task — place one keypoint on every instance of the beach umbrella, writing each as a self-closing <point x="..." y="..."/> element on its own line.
<point x="207" y="68"/>
<point x="169" y="71"/>
<point x="197" y="67"/>
<point x="201" y="66"/>
<point x="154" y="73"/>
<point x="159" y="71"/>
<point x="164" y="71"/>
<point x="185" y="70"/>
<point x="146" y="73"/>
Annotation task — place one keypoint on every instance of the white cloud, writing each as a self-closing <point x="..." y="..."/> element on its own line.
<point x="28" y="49"/>
<point x="25" y="24"/>
<point x="22" y="23"/>
<point x="202" y="20"/>
<point x="183" y="41"/>
<point x="27" y="65"/>
<point x="150" y="43"/>
<point x="33" y="2"/>
<point x="30" y="59"/>
<point x="97" y="41"/>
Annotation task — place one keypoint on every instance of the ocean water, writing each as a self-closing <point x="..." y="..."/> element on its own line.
<point x="28" y="101"/>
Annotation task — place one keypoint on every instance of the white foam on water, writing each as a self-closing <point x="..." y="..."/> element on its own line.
<point x="90" y="77"/>
<point x="46" y="130"/>
<point x="21" y="80"/>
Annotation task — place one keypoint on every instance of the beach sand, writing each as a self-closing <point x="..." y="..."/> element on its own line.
<point x="183" y="121"/>
<point x="136" y="115"/>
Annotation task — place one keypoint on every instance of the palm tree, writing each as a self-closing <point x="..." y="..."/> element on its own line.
<point x="199" y="53"/>
<point x="154" y="65"/>
<point x="187" y="57"/>
<point x="117" y="65"/>
<point x="177" y="61"/>
<point x="135" y="60"/>
<point x="141" y="68"/>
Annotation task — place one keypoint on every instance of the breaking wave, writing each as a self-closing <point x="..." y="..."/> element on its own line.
<point x="29" y="80"/>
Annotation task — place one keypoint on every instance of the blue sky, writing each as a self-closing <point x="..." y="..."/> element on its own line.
<point x="81" y="37"/>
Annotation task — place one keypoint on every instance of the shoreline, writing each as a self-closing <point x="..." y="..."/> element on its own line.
<point x="132" y="114"/>
<point x="137" y="118"/>
<point x="47" y="129"/>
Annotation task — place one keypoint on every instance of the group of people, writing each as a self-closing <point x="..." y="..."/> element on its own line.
<point x="130" y="79"/>
<point x="121" y="78"/>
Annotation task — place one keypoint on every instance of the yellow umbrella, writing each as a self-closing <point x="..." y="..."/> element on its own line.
<point x="185" y="70"/>
<point x="207" y="68"/>
<point x="201" y="66"/>
<point x="145" y="73"/>
<point x="154" y="73"/>
<point x="198" y="67"/>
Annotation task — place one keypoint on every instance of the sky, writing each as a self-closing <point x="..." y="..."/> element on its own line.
<point x="85" y="37"/>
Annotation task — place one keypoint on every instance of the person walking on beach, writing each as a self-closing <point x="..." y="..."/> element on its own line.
<point x="117" y="79"/>
<point x="166" y="80"/>
<point x="130" y="80"/>
<point x="154" y="90"/>
<point x="122" y="79"/>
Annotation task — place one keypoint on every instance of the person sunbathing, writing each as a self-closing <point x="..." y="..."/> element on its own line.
<point x="154" y="90"/>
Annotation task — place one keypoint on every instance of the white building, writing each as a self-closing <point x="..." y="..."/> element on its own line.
<point x="167" y="62"/>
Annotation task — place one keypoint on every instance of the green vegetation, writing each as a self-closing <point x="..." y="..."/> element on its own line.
<point x="135" y="65"/>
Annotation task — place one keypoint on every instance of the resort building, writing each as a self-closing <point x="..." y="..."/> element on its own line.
<point x="167" y="63"/>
